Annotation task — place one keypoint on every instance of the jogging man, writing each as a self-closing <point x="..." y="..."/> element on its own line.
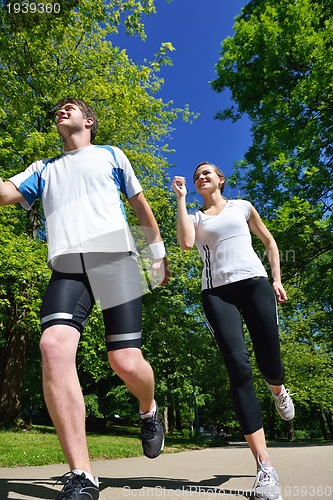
<point x="92" y="257"/>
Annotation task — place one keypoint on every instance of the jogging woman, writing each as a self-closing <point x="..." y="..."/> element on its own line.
<point x="235" y="285"/>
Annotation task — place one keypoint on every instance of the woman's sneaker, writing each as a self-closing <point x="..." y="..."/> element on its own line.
<point x="283" y="403"/>
<point x="78" y="487"/>
<point x="266" y="485"/>
<point x="152" y="435"/>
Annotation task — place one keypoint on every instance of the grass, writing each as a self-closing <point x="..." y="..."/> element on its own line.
<point x="40" y="446"/>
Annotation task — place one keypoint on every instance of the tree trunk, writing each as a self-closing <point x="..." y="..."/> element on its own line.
<point x="271" y="421"/>
<point x="33" y="219"/>
<point x="178" y="421"/>
<point x="171" y="419"/>
<point x="11" y="377"/>
<point x="290" y="431"/>
<point x="329" y="420"/>
<point x="165" y="415"/>
<point x="322" y="424"/>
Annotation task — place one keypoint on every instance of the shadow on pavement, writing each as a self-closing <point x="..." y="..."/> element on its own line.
<point x="43" y="489"/>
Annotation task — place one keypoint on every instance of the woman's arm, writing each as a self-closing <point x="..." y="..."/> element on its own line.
<point x="185" y="228"/>
<point x="259" y="229"/>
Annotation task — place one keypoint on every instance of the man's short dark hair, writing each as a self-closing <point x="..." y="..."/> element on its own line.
<point x="87" y="112"/>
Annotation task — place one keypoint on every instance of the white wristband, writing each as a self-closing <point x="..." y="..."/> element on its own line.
<point x="158" y="250"/>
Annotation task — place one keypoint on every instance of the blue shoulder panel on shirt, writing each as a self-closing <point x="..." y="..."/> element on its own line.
<point x="109" y="148"/>
<point x="118" y="173"/>
<point x="41" y="183"/>
<point x="30" y="188"/>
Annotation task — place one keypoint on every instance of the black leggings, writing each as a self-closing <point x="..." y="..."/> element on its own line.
<point x="255" y="300"/>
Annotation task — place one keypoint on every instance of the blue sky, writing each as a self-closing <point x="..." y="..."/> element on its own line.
<point x="196" y="29"/>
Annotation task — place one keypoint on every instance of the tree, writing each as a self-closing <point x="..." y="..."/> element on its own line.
<point x="44" y="57"/>
<point x="23" y="277"/>
<point x="279" y="67"/>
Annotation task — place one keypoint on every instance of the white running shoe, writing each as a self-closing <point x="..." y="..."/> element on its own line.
<point x="284" y="404"/>
<point x="266" y="484"/>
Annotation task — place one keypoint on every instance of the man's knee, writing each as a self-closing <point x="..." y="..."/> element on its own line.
<point x="127" y="363"/>
<point x="59" y="341"/>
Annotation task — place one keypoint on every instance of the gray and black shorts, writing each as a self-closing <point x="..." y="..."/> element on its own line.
<point x="79" y="280"/>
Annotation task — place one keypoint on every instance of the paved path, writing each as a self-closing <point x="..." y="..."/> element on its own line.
<point x="305" y="472"/>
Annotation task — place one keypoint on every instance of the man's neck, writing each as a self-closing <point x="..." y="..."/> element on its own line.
<point x="72" y="143"/>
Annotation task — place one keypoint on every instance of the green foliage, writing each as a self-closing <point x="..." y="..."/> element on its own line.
<point x="23" y="278"/>
<point x="279" y="67"/>
<point x="92" y="407"/>
<point x="75" y="55"/>
<point x="120" y="402"/>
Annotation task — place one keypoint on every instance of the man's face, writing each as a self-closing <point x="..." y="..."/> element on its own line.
<point x="70" y="120"/>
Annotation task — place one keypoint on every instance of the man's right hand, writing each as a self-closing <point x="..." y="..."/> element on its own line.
<point x="160" y="269"/>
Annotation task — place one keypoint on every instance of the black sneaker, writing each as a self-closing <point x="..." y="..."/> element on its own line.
<point x="79" y="488"/>
<point x="152" y="435"/>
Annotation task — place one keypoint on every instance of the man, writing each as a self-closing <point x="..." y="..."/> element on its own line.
<point x="92" y="256"/>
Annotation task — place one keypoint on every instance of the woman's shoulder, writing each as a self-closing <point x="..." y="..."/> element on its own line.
<point x="195" y="213"/>
<point x="239" y="202"/>
<point x="243" y="205"/>
<point x="196" y="217"/>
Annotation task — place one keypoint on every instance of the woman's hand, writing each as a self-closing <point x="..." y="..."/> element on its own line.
<point x="279" y="291"/>
<point x="178" y="185"/>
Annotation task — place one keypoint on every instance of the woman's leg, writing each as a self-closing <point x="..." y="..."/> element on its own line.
<point x="260" y="315"/>
<point x="225" y="321"/>
<point x="257" y="444"/>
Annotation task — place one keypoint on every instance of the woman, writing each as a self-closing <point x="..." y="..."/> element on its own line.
<point x="235" y="285"/>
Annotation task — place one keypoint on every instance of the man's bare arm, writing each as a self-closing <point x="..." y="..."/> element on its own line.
<point x="9" y="194"/>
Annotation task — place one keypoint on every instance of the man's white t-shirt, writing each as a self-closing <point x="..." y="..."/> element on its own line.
<point x="224" y="243"/>
<point x="80" y="192"/>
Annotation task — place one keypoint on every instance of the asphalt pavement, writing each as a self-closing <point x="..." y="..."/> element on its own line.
<point x="226" y="473"/>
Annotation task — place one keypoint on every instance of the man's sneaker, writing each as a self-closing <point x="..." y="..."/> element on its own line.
<point x="266" y="485"/>
<point x="152" y="435"/>
<point x="78" y="487"/>
<point x="284" y="403"/>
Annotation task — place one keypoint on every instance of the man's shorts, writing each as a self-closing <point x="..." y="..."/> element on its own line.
<point x="79" y="280"/>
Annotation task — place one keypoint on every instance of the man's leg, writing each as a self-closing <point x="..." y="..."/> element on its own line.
<point x="62" y="393"/>
<point x="138" y="376"/>
<point x="116" y="281"/>
<point x="136" y="373"/>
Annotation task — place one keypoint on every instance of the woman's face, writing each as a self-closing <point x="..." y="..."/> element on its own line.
<point x="206" y="178"/>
